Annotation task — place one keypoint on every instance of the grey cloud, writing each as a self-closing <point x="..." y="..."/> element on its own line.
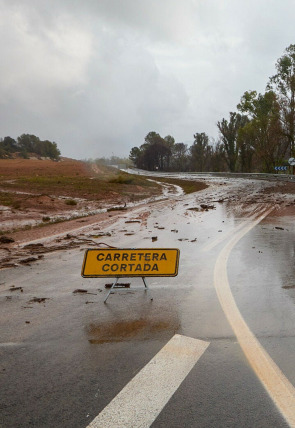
<point x="97" y="76"/>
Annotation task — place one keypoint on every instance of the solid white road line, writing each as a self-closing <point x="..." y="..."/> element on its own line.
<point x="274" y="381"/>
<point x="143" y="398"/>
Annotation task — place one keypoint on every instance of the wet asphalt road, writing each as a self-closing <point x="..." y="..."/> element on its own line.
<point x="63" y="360"/>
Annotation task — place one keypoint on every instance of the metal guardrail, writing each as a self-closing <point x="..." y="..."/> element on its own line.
<point x="254" y="175"/>
<point x="257" y="176"/>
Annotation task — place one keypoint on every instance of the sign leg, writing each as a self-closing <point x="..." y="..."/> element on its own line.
<point x="147" y="288"/>
<point x="112" y="287"/>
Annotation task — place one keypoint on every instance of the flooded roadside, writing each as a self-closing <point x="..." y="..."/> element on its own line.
<point x="235" y="198"/>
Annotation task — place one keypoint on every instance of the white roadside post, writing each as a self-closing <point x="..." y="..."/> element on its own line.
<point x="292" y="163"/>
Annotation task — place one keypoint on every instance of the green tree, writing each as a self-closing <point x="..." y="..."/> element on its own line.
<point x="262" y="134"/>
<point x="49" y="149"/>
<point x="180" y="160"/>
<point x="28" y="143"/>
<point x="229" y="135"/>
<point x="284" y="84"/>
<point x="200" y="152"/>
<point x="156" y="152"/>
<point x="169" y="141"/>
<point x="217" y="161"/>
<point x="7" y="146"/>
<point x="134" y="155"/>
<point x="246" y="149"/>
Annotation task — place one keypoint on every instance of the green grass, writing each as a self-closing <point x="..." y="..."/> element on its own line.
<point x="117" y="209"/>
<point x="80" y="186"/>
<point x="71" y="202"/>
<point x="121" y="179"/>
<point x="10" y="200"/>
<point x="188" y="186"/>
<point x="6" y="199"/>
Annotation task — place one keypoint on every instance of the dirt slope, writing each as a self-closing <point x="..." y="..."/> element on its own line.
<point x="34" y="192"/>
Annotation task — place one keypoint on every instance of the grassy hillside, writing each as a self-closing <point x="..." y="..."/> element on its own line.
<point x="69" y="178"/>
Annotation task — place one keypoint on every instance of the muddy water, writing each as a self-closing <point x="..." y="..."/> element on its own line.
<point x="127" y="330"/>
<point x="76" y="353"/>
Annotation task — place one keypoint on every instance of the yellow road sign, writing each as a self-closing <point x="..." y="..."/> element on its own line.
<point x="120" y="262"/>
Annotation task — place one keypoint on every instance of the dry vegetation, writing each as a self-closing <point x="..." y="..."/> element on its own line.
<point x="40" y="191"/>
<point x="70" y="178"/>
<point x="188" y="186"/>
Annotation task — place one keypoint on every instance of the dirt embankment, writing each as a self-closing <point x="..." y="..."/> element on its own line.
<point x="37" y="192"/>
<point x="43" y="193"/>
<point x="43" y="198"/>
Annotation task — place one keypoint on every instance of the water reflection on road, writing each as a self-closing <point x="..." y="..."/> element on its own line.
<point x="78" y="346"/>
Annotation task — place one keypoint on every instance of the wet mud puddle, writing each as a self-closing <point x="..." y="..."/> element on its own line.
<point x="137" y="329"/>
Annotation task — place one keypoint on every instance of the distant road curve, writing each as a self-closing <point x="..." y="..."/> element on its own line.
<point x="257" y="176"/>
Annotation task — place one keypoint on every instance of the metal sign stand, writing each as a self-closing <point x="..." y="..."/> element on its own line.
<point x="146" y="288"/>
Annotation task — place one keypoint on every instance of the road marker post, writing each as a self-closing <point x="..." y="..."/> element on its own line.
<point x="291" y="162"/>
<point x="130" y="262"/>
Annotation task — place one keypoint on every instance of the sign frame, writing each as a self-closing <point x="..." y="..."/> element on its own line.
<point x="128" y="251"/>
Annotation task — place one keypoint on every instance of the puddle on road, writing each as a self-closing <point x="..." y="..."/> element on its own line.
<point x="141" y="329"/>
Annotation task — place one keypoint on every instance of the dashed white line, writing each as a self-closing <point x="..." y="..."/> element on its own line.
<point x="143" y="398"/>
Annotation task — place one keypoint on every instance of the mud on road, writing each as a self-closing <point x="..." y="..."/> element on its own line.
<point x="72" y="354"/>
<point x="29" y="246"/>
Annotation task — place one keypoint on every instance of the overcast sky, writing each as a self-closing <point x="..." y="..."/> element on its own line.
<point x="96" y="76"/>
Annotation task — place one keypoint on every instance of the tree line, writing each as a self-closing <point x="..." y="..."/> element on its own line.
<point x="26" y="145"/>
<point x="257" y="137"/>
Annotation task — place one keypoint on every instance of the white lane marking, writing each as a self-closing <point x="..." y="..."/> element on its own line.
<point x="224" y="236"/>
<point x="280" y="389"/>
<point x="143" y="398"/>
<point x="2" y="345"/>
